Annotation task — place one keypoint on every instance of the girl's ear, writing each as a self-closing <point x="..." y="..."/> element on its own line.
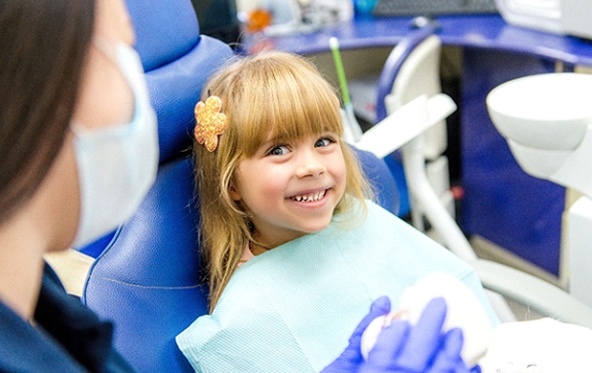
<point x="233" y="192"/>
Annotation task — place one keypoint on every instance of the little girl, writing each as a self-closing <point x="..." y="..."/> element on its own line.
<point x="270" y="102"/>
<point x="282" y="197"/>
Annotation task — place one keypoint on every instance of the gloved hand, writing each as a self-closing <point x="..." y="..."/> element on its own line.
<point x="422" y="348"/>
<point x="351" y="358"/>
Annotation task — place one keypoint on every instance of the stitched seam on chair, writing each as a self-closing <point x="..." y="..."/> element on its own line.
<point x="150" y="287"/>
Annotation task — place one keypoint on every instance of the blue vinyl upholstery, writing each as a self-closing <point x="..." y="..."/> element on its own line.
<point x="147" y="279"/>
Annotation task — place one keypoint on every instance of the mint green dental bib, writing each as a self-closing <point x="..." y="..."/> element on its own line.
<point x="293" y="309"/>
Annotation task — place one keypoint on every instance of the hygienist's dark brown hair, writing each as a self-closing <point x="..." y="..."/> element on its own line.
<point x="43" y="46"/>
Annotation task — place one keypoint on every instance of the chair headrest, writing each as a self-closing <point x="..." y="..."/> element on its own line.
<point x="177" y="61"/>
<point x="176" y="87"/>
<point x="382" y="180"/>
<point x="178" y="30"/>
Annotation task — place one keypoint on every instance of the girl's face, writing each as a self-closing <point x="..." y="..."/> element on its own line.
<point x="291" y="188"/>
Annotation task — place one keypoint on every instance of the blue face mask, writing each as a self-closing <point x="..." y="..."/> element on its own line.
<point x="116" y="164"/>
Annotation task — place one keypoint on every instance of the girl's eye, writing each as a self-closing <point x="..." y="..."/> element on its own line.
<point x="278" y="150"/>
<point x="324" y="141"/>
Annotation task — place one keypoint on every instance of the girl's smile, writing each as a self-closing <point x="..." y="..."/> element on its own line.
<point x="310" y="197"/>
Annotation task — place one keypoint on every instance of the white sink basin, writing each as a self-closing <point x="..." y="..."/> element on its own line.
<point x="547" y="111"/>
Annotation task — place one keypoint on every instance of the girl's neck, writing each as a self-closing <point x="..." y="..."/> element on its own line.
<point x="265" y="241"/>
<point x="257" y="248"/>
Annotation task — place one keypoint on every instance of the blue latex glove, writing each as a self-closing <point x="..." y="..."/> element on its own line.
<point x="351" y="358"/>
<point x="422" y="348"/>
<point x="401" y="348"/>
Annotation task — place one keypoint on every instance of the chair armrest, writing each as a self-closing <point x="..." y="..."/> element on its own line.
<point x="405" y="124"/>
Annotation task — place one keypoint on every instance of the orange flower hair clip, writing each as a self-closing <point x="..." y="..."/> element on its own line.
<point x="210" y="122"/>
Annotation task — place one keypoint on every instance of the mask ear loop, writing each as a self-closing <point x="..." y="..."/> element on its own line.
<point x="106" y="48"/>
<point x="109" y="51"/>
<point x="78" y="129"/>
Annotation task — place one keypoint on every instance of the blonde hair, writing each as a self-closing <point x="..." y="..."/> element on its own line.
<point x="271" y="93"/>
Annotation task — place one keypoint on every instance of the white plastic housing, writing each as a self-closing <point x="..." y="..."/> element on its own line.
<point x="547" y="121"/>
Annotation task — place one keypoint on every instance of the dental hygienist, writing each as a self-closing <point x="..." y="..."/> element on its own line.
<point x="79" y="150"/>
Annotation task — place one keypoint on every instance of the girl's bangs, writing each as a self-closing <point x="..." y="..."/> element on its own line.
<point x="294" y="112"/>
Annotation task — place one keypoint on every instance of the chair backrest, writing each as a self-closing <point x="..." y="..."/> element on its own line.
<point x="149" y="278"/>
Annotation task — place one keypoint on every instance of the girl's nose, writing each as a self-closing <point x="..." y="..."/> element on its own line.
<point x="310" y="165"/>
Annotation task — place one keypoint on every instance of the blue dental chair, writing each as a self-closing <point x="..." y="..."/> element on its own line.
<point x="148" y="279"/>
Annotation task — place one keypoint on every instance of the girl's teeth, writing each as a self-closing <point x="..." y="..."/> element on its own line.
<point x="310" y="197"/>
